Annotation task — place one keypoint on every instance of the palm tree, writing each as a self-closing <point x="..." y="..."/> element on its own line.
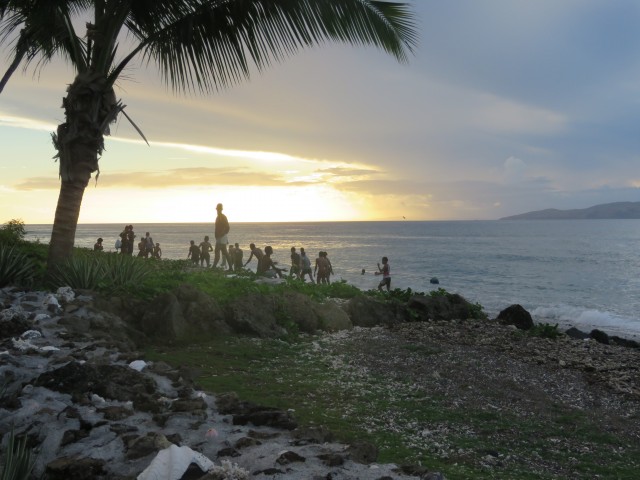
<point x="198" y="45"/>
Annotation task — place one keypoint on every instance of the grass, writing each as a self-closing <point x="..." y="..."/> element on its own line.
<point x="409" y="425"/>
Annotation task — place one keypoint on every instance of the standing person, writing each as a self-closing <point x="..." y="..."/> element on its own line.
<point x="321" y="269"/>
<point x="237" y="257"/>
<point x="194" y="253"/>
<point x="130" y="237"/>
<point x="157" y="251"/>
<point x="255" y="252"/>
<point x="385" y="271"/>
<point x="205" y="248"/>
<point x="330" y="271"/>
<point x="295" y="263"/>
<point x="148" y="245"/>
<point x="221" y="231"/>
<point x="305" y="266"/>
<point x="142" y="248"/>
<point x="124" y="241"/>
<point x="98" y="247"/>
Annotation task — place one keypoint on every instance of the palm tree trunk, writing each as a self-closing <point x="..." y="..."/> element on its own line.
<point x="90" y="106"/>
<point x="65" y="222"/>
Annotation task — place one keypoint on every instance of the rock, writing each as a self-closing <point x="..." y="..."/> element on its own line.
<point x="434" y="281"/>
<point x="289" y="457"/>
<point x="368" y="312"/>
<point x="13" y="321"/>
<point x="254" y="315"/>
<point x="573" y="332"/>
<point x="516" y="315"/>
<point x="75" y="468"/>
<point x="624" y="342"/>
<point x="363" y="452"/>
<point x="269" y="417"/>
<point x="183" y="315"/>
<point x="146" y="445"/>
<point x="599" y="336"/>
<point x="440" y="307"/>
<point x="331" y="318"/>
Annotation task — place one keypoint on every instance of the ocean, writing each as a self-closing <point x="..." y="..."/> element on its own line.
<point x="584" y="273"/>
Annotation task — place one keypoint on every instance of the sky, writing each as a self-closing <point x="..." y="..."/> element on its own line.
<point x="505" y="107"/>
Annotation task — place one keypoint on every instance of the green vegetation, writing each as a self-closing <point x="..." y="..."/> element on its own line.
<point x="12" y="232"/>
<point x="545" y="330"/>
<point x="323" y="381"/>
<point x="17" y="460"/>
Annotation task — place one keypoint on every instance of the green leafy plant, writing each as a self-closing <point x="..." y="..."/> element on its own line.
<point x="15" y="267"/>
<point x="17" y="459"/>
<point x="12" y="232"/>
<point x="545" y="330"/>
<point x="99" y="272"/>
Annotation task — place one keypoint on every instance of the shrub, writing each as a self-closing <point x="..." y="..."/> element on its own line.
<point x="545" y="330"/>
<point x="15" y="267"/>
<point x="12" y="232"/>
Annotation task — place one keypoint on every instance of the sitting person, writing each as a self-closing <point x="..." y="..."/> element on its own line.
<point x="266" y="266"/>
<point x="98" y="247"/>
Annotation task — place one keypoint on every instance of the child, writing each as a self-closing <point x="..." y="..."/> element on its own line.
<point x="157" y="251"/>
<point x="385" y="270"/>
<point x="98" y="247"/>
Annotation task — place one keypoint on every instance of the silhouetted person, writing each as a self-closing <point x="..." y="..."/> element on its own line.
<point x="221" y="231"/>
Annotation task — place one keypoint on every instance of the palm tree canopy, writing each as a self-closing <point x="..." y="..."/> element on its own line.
<point x="197" y="44"/>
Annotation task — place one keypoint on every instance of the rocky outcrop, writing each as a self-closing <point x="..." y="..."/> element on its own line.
<point x="440" y="307"/>
<point x="95" y="412"/>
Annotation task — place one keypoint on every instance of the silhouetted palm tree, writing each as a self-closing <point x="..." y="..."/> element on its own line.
<point x="198" y="45"/>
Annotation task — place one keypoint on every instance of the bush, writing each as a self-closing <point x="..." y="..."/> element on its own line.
<point x="12" y="232"/>
<point x="15" y="267"/>
<point x="545" y="330"/>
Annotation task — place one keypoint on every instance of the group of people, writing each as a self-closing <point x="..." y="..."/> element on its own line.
<point x="232" y="256"/>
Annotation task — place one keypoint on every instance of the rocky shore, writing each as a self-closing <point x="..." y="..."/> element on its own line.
<point x="73" y="381"/>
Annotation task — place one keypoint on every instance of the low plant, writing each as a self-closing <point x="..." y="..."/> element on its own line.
<point x="99" y="271"/>
<point x="545" y="330"/>
<point x="15" y="267"/>
<point x="17" y="459"/>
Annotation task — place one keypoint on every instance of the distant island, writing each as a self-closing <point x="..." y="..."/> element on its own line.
<point x="620" y="210"/>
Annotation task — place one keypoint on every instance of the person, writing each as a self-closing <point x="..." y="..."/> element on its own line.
<point x="266" y="266"/>
<point x="237" y="257"/>
<point x="321" y="269"/>
<point x="295" y="263"/>
<point x="97" y="247"/>
<point x="221" y="231"/>
<point x="148" y="245"/>
<point x="255" y="252"/>
<point x="194" y="253"/>
<point x="157" y="251"/>
<point x="127" y="236"/>
<point x="205" y="248"/>
<point x="385" y="271"/>
<point x="142" y="248"/>
<point x="118" y="245"/>
<point x="305" y="266"/>
<point x="232" y="252"/>
<point x="330" y="271"/>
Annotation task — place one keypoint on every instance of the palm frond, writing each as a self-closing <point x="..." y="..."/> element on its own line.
<point x="208" y="44"/>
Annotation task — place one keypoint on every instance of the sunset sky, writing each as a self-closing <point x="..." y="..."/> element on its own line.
<point x="507" y="106"/>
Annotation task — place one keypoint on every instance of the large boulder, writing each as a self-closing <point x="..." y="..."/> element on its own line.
<point x="297" y="309"/>
<point x="255" y="314"/>
<point x="440" y="307"/>
<point x="182" y="315"/>
<point x="516" y="315"/>
<point x="368" y="312"/>
<point x="331" y="317"/>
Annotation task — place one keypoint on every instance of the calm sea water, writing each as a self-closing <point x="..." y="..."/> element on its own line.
<point x="580" y="272"/>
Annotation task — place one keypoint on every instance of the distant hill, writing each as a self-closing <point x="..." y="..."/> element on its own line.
<point x="629" y="210"/>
